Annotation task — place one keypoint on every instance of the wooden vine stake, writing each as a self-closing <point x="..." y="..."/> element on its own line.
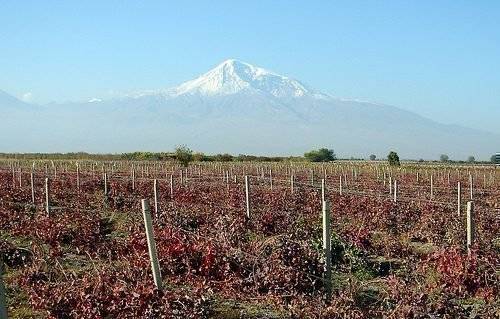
<point x="247" y="195"/>
<point x="390" y="185"/>
<point x="327" y="249"/>
<point x="105" y="177"/>
<point x="77" y="177"/>
<point x="470" y="225"/>
<point x="459" y="197"/>
<point x="271" y="178"/>
<point x="471" y="186"/>
<point x="32" y="182"/>
<point x="3" y="302"/>
<point x="395" y="190"/>
<point x="47" y="196"/>
<point x="323" y="190"/>
<point x="133" y="178"/>
<point x="153" y="255"/>
<point x="340" y="185"/>
<point x="155" y="190"/>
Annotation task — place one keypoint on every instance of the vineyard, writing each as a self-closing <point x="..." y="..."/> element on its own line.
<point x="247" y="240"/>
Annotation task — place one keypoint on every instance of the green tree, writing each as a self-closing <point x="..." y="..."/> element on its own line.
<point x="444" y="158"/>
<point x="471" y="159"/>
<point x="393" y="159"/>
<point x="184" y="155"/>
<point x="321" y="155"/>
<point x="373" y="157"/>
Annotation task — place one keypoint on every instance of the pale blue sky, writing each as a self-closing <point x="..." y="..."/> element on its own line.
<point x="440" y="59"/>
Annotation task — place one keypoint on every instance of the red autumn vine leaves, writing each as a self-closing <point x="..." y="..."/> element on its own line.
<point x="89" y="258"/>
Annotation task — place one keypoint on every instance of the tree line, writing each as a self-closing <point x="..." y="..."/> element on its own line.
<point x="185" y="155"/>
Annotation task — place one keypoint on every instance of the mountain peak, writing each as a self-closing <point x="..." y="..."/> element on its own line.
<point x="232" y="63"/>
<point x="233" y="67"/>
<point x="233" y="76"/>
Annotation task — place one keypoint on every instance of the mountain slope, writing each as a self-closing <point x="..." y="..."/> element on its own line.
<point x="240" y="108"/>
<point x="7" y="101"/>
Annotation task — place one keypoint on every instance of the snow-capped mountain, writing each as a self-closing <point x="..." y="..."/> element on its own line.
<point x="233" y="76"/>
<point x="240" y="108"/>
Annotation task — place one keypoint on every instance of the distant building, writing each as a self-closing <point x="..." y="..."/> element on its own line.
<point x="497" y="158"/>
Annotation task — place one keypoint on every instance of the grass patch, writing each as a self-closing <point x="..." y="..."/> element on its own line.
<point x="231" y="309"/>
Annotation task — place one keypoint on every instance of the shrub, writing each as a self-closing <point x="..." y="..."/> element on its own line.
<point x="393" y="159"/>
<point x="444" y="158"/>
<point x="321" y="155"/>
<point x="184" y="155"/>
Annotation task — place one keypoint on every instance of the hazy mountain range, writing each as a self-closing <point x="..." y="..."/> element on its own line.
<point x="236" y="108"/>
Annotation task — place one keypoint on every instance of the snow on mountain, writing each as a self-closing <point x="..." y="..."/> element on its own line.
<point x="234" y="77"/>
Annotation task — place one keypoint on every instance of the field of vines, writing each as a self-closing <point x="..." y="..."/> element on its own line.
<point x="73" y="241"/>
